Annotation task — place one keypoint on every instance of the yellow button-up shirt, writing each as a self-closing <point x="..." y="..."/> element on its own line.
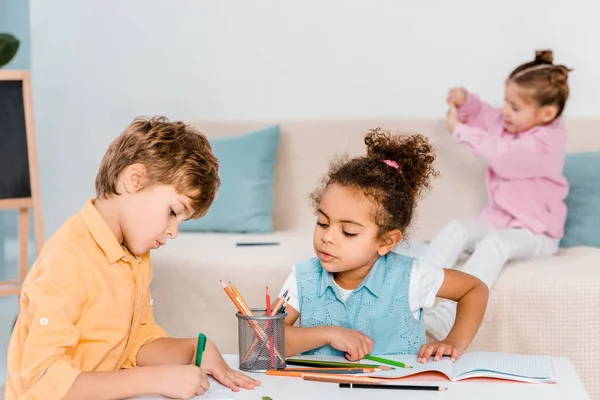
<point x="85" y="306"/>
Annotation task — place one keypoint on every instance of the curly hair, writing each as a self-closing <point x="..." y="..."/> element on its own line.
<point x="394" y="173"/>
<point x="548" y="82"/>
<point x="172" y="152"/>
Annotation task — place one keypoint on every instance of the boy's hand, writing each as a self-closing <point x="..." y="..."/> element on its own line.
<point x="456" y="97"/>
<point x="446" y="347"/>
<point x="452" y="118"/>
<point x="214" y="364"/>
<point x="181" y="381"/>
<point x="356" y="344"/>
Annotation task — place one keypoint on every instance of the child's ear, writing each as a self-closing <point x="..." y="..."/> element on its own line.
<point x="389" y="241"/>
<point x="549" y="113"/>
<point x="134" y="177"/>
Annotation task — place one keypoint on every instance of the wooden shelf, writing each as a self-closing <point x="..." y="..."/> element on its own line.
<point x="8" y="288"/>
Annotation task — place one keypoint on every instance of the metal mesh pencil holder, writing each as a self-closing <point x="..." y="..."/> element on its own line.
<point x="261" y="341"/>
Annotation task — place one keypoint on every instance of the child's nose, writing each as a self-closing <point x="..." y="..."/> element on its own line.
<point x="172" y="231"/>
<point x="327" y="237"/>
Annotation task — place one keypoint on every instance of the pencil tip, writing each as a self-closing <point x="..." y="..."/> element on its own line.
<point x="443" y="389"/>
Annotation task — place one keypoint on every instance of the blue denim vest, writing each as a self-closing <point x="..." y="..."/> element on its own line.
<point x="378" y="307"/>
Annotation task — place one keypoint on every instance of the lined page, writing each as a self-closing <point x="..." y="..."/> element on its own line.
<point x="527" y="368"/>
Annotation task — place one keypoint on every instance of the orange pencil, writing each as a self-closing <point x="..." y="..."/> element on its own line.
<point x="233" y="299"/>
<point x="279" y="303"/>
<point x="338" y="379"/>
<point x="241" y="299"/>
<point x="300" y="374"/>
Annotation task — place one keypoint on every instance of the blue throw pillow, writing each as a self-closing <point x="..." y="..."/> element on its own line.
<point x="583" y="202"/>
<point x="244" y="202"/>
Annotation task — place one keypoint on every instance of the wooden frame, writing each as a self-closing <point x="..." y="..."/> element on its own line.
<point x="23" y="204"/>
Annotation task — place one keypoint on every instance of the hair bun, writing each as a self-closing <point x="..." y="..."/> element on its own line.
<point x="559" y="75"/>
<point x="544" y="57"/>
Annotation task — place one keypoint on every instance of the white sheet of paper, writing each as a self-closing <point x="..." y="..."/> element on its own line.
<point x="216" y="391"/>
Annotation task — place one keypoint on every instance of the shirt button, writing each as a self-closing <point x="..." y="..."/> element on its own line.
<point x="44" y="321"/>
<point x="151" y="302"/>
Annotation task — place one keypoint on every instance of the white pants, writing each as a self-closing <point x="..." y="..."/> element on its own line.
<point x="491" y="250"/>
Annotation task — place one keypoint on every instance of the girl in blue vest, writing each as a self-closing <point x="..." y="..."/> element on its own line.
<point x="357" y="297"/>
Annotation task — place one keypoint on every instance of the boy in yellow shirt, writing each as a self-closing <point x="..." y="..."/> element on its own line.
<point x="86" y="328"/>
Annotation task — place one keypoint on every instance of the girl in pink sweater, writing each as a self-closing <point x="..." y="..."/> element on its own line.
<point x="523" y="146"/>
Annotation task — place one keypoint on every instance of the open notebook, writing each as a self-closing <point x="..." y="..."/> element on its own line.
<point x="479" y="364"/>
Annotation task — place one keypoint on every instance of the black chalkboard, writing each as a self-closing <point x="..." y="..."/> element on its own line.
<point x="14" y="162"/>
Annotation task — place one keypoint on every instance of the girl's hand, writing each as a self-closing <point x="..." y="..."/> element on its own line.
<point x="356" y="344"/>
<point x="214" y="364"/>
<point x="446" y="347"/>
<point x="452" y="118"/>
<point x="456" y="97"/>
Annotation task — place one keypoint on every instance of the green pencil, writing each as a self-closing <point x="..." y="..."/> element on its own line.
<point x="319" y="363"/>
<point x="386" y="361"/>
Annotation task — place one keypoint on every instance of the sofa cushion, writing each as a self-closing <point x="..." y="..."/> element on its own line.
<point x="583" y="202"/>
<point x="244" y="202"/>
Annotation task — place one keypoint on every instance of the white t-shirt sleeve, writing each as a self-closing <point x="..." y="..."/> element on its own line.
<point x="425" y="282"/>
<point x="291" y="285"/>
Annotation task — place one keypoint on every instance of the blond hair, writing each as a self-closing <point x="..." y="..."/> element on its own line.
<point x="173" y="153"/>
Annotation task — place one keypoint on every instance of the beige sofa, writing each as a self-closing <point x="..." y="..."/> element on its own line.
<point x="546" y="306"/>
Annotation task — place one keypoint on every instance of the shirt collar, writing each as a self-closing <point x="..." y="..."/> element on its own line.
<point x="373" y="281"/>
<point x="101" y="233"/>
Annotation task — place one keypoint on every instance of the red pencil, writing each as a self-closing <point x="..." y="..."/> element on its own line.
<point x="270" y="326"/>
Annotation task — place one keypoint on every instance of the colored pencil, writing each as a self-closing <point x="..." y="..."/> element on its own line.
<point x="257" y="244"/>
<point x="269" y="325"/>
<point x="330" y="369"/>
<point x="338" y="378"/>
<point x="388" y="386"/>
<point x="279" y="303"/>
<point x="386" y="361"/>
<point x="300" y="374"/>
<point x="247" y="309"/>
<point x="318" y="363"/>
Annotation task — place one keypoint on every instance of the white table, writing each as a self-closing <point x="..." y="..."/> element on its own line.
<point x="568" y="386"/>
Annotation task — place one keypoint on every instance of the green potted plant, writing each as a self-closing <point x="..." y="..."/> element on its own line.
<point x="9" y="45"/>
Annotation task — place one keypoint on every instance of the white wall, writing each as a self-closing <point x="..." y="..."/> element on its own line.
<point x="96" y="65"/>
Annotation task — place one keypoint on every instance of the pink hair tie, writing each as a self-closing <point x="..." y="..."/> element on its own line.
<point x="392" y="163"/>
